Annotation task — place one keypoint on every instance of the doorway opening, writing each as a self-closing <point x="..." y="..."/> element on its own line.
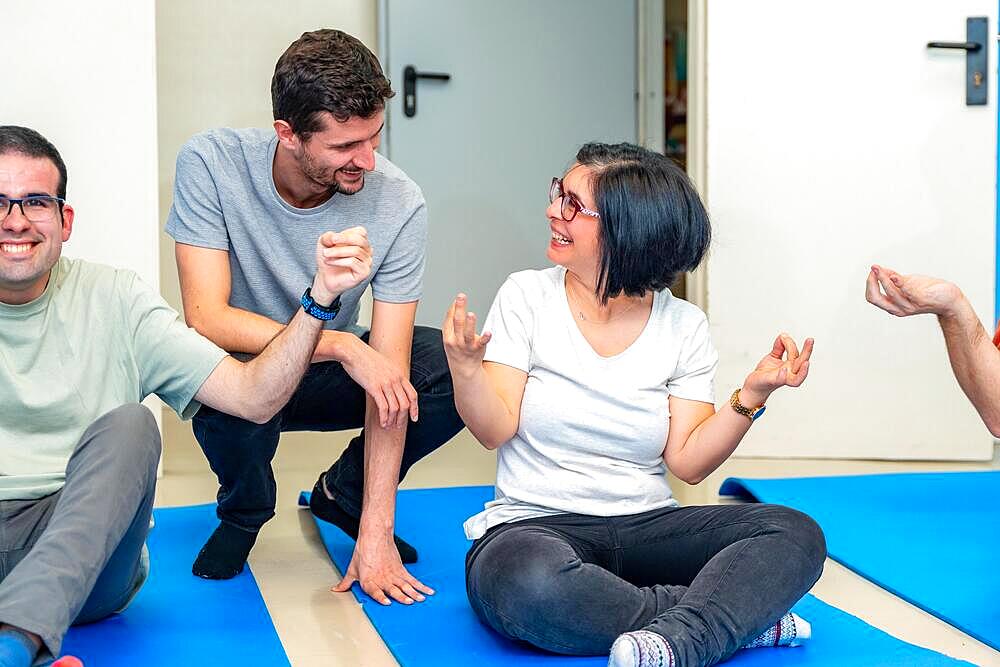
<point x="675" y="98"/>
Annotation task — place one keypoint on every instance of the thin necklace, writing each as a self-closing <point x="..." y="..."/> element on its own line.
<point x="583" y="317"/>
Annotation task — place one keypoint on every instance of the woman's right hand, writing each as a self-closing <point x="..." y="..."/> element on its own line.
<point x="465" y="350"/>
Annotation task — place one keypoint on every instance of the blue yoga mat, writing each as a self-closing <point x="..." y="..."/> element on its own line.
<point x="930" y="538"/>
<point x="443" y="631"/>
<point x="178" y="618"/>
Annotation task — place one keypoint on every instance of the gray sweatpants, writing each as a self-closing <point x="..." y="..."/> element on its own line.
<point x="76" y="555"/>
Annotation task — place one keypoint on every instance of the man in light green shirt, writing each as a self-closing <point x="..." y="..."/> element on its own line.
<point x="81" y="345"/>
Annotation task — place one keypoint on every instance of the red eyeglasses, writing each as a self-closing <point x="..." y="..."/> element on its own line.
<point x="570" y="204"/>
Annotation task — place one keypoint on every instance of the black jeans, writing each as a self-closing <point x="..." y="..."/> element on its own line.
<point x="709" y="578"/>
<point x="240" y="452"/>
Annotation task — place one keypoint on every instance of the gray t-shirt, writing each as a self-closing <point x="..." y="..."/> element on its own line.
<point x="592" y="429"/>
<point x="225" y="198"/>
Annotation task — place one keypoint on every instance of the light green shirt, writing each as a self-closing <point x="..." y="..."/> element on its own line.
<point x="96" y="339"/>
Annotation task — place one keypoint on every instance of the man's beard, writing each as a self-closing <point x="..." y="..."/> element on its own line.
<point x="322" y="176"/>
<point x="337" y="188"/>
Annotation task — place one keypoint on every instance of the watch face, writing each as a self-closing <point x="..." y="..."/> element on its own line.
<point x="759" y="412"/>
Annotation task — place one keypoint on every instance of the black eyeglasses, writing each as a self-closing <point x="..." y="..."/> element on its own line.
<point x="570" y="204"/>
<point x="35" y="208"/>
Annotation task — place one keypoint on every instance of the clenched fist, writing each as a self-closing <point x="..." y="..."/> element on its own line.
<point x="343" y="260"/>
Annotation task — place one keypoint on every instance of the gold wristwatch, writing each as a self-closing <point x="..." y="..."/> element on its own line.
<point x="750" y="413"/>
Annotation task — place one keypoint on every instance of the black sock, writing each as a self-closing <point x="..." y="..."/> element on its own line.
<point x="225" y="553"/>
<point x="328" y="510"/>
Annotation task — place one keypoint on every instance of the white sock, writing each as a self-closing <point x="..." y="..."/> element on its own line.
<point x="790" y="630"/>
<point x="641" y="648"/>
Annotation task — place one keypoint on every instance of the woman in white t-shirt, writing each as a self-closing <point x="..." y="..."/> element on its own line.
<point x="596" y="380"/>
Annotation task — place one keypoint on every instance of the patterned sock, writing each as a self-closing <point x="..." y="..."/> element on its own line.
<point x="16" y="649"/>
<point x="790" y="630"/>
<point x="641" y="648"/>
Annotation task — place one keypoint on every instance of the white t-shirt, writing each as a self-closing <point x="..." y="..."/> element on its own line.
<point x="592" y="429"/>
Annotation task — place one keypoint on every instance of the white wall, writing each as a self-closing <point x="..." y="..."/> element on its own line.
<point x="837" y="140"/>
<point x="84" y="76"/>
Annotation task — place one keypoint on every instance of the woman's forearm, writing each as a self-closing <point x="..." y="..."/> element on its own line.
<point x="485" y="414"/>
<point x="709" y="445"/>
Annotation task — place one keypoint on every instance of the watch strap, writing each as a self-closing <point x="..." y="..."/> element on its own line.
<point x="750" y="413"/>
<point x="324" y="313"/>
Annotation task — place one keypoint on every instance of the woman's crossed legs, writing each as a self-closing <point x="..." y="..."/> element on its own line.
<point x="707" y="578"/>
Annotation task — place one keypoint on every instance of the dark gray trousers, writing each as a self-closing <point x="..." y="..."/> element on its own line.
<point x="709" y="578"/>
<point x="76" y="555"/>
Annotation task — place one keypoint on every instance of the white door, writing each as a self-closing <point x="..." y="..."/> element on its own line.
<point x="836" y="139"/>
<point x="530" y="82"/>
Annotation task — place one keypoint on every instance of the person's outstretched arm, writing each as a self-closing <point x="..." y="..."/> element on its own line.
<point x="257" y="389"/>
<point x="974" y="358"/>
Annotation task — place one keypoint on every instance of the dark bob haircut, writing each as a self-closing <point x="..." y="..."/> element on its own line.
<point x="653" y="224"/>
<point x="25" y="141"/>
<point x="327" y="70"/>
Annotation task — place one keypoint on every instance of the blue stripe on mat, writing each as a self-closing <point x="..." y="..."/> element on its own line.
<point x="443" y="631"/>
<point x="929" y="538"/>
<point x="179" y="619"/>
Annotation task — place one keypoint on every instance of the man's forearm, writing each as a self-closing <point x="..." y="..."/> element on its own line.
<point x="391" y="336"/>
<point x="238" y="330"/>
<point x="273" y="375"/>
<point x="383" y="457"/>
<point x="258" y="389"/>
<point x="974" y="360"/>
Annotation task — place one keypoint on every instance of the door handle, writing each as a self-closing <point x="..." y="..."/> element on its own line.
<point x="964" y="46"/>
<point x="976" y="59"/>
<point x="410" y="76"/>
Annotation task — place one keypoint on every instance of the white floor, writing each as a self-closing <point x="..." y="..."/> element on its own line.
<point x="318" y="627"/>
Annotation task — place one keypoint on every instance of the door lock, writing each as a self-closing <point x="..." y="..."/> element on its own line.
<point x="976" y="59"/>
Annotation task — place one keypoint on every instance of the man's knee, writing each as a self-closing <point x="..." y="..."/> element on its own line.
<point x="429" y="366"/>
<point x="230" y="440"/>
<point x="131" y="429"/>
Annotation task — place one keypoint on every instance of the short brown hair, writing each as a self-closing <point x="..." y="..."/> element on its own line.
<point x="327" y="70"/>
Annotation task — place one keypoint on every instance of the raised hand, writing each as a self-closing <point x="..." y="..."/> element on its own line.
<point x="463" y="347"/>
<point x="343" y="260"/>
<point x="902" y="296"/>
<point x="785" y="366"/>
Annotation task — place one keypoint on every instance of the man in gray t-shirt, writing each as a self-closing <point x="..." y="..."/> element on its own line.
<point x="247" y="208"/>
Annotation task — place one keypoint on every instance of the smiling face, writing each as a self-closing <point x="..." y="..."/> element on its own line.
<point x="576" y="244"/>
<point x="29" y="250"/>
<point x="337" y="156"/>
